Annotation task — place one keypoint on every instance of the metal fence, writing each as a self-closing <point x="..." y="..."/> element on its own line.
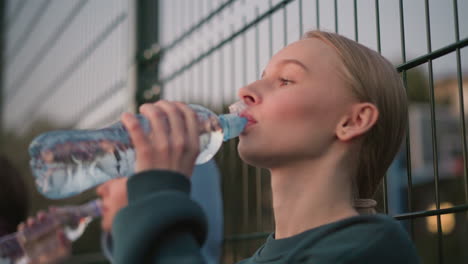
<point x="73" y="56"/>
<point x="208" y="49"/>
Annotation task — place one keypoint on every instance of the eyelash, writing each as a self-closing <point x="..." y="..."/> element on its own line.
<point x="284" y="81"/>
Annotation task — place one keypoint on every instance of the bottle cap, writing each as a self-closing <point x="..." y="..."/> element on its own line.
<point x="232" y="125"/>
<point x="237" y="107"/>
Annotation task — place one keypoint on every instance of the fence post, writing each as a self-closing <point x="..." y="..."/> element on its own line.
<point x="2" y="45"/>
<point x="148" y="48"/>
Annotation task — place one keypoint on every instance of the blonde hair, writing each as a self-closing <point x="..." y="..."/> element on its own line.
<point x="372" y="79"/>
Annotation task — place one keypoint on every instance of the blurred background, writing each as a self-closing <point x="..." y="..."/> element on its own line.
<point x="80" y="64"/>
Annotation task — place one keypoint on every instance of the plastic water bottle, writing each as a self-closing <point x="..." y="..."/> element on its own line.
<point x="65" y="163"/>
<point x="40" y="243"/>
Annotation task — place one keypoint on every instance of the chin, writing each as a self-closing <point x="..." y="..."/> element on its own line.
<point x="256" y="159"/>
<point x="246" y="154"/>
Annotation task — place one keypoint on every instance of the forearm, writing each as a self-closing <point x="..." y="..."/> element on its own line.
<point x="160" y="223"/>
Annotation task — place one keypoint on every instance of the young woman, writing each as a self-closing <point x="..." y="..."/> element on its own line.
<point x="326" y="118"/>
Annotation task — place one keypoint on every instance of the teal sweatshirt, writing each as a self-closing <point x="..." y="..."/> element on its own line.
<point x="161" y="224"/>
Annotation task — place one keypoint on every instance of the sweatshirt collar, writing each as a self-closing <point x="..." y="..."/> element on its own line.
<point x="275" y="249"/>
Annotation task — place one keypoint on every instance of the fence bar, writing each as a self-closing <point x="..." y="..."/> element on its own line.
<point x="419" y="214"/>
<point x="433" y="55"/>
<point x="245" y="168"/>
<point x="17" y="84"/>
<point x="434" y="133"/>
<point x="402" y="35"/>
<point x="461" y="101"/>
<point x="377" y="25"/>
<point x="71" y="68"/>
<point x="317" y="11"/>
<point x="336" y="15"/>
<point x="29" y="29"/>
<point x="356" y="35"/>
<point x="285" y="26"/>
<point x="192" y="29"/>
<point x="227" y="40"/>
<point x="12" y="17"/>
<point x="301" y="21"/>
<point x="408" y="145"/>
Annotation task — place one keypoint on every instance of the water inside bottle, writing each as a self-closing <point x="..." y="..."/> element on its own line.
<point x="67" y="167"/>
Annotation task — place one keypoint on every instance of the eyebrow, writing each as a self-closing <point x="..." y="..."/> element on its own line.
<point x="288" y="61"/>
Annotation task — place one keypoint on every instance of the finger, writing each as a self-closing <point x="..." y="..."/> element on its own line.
<point x="160" y="131"/>
<point x="63" y="239"/>
<point x="30" y="222"/>
<point x="192" y="125"/>
<point x="178" y="133"/>
<point x="41" y="215"/>
<point x="139" y="139"/>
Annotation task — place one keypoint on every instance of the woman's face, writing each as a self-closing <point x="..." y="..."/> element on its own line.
<point x="114" y="197"/>
<point x="294" y="109"/>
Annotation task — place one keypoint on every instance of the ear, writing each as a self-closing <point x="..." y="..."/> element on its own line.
<point x="360" y="119"/>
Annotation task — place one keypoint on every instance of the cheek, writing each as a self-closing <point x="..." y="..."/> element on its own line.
<point x="293" y="113"/>
<point x="302" y="122"/>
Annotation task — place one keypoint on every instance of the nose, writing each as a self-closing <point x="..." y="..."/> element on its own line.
<point x="250" y="94"/>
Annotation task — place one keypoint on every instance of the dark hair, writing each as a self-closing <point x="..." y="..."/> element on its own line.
<point x="13" y="197"/>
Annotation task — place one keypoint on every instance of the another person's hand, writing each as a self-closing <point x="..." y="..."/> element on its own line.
<point x="172" y="144"/>
<point x="44" y="240"/>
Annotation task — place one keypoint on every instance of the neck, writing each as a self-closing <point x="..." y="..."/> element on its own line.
<point x="311" y="193"/>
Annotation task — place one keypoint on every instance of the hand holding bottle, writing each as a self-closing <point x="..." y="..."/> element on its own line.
<point x="43" y="239"/>
<point x="47" y="237"/>
<point x="172" y="144"/>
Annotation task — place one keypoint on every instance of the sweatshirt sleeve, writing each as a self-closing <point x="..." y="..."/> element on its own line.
<point x="161" y="224"/>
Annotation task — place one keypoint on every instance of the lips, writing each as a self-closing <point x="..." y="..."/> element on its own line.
<point x="250" y="120"/>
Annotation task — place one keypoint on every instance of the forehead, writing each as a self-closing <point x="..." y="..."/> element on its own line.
<point x="312" y="52"/>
